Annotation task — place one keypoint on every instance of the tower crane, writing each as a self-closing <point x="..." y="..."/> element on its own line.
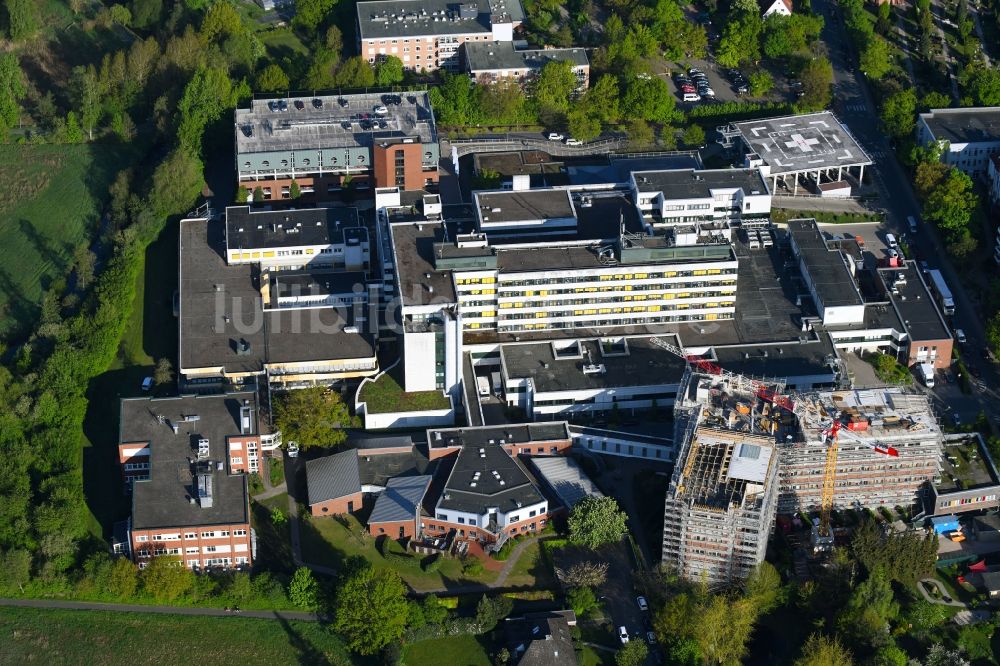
<point x="806" y="412"/>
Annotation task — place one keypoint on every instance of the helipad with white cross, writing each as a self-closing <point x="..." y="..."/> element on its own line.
<point x="801" y="144"/>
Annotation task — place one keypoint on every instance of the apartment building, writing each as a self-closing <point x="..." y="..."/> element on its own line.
<point x="284" y="296"/>
<point x="721" y="501"/>
<point x="887" y="417"/>
<point x="186" y="460"/>
<point x="489" y="62"/>
<point x="968" y="137"/>
<point x="327" y="143"/>
<point x="427" y="35"/>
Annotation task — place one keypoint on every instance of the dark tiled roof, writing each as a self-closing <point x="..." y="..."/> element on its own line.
<point x="331" y="477"/>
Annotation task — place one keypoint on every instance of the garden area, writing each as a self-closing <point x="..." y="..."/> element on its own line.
<point x="386" y="394"/>
<point x="331" y="541"/>
<point x="889" y="370"/>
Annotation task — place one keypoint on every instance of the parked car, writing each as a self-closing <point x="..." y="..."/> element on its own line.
<point x="641" y="601"/>
<point x="623" y="635"/>
<point x="692" y="71"/>
<point x="960" y="335"/>
<point x="299" y="104"/>
<point x="147" y="384"/>
<point x="380" y="110"/>
<point x="317" y="103"/>
<point x="743" y="89"/>
<point x="573" y="142"/>
<point x="707" y="92"/>
<point x="555" y="136"/>
<point x="651" y="638"/>
<point x="691" y="97"/>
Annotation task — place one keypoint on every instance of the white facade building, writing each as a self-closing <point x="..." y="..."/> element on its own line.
<point x="969" y="137"/>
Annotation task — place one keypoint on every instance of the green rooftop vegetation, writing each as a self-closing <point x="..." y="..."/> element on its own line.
<point x="385" y="395"/>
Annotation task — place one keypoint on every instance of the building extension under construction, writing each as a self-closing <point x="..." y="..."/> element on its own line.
<point x="722" y="498"/>
<point x="889" y="445"/>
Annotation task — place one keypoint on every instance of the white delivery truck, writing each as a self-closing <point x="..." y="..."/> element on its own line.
<point x="927" y="374"/>
<point x="483" y="384"/>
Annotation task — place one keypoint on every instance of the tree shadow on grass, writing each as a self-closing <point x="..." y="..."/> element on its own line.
<point x="305" y="652"/>
<point x="102" y="481"/>
<point x="159" y="327"/>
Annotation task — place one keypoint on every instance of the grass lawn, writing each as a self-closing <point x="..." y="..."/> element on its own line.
<point x="151" y="333"/>
<point x="531" y="570"/>
<point x="276" y="468"/>
<point x="386" y="395"/>
<point x="274" y="542"/>
<point x="782" y="215"/>
<point x="326" y="541"/>
<point x="50" y="204"/>
<point x="589" y="656"/>
<point x="36" y="636"/>
<point x="453" y="650"/>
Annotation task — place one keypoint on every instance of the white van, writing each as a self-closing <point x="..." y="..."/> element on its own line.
<point x="691" y="97"/>
<point x="890" y="240"/>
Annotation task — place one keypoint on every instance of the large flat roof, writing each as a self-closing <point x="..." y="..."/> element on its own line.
<point x="828" y="272"/>
<point x="802" y="143"/>
<point x="722" y="468"/>
<point x="219" y="304"/>
<point x="511" y="433"/>
<point x="526" y="205"/>
<point x="331" y="121"/>
<point x="221" y="308"/>
<point x="492" y="56"/>
<point x="969" y="125"/>
<point x="285" y="228"/>
<point x="432" y="18"/>
<point x="645" y="364"/>
<point x="164" y="500"/>
<point x="915" y="304"/>
<point x="699" y="183"/>
<point x="413" y="249"/>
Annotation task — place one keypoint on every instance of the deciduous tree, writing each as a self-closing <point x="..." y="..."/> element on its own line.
<point x="389" y="71"/>
<point x="164" y="372"/>
<point x="272" y="79"/>
<point x="821" y="650"/>
<point x="554" y="85"/>
<point x="311" y="417"/>
<point x="876" y="58"/>
<point x="22" y="18"/>
<point x="595" y="521"/>
<point x="303" y="590"/>
<point x="370" y="610"/>
<point x="356" y="73"/>
<point x="817" y="79"/>
<point x="633" y="653"/>
<point x="899" y="113"/>
<point x="166" y="578"/>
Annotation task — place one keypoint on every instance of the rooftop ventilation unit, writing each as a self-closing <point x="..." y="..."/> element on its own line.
<point x="593" y="369"/>
<point x="190" y="418"/>
<point x="203" y="450"/>
<point x="203" y="483"/>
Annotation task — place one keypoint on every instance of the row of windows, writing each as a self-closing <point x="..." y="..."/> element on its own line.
<point x="166" y="536"/>
<point x="617" y="276"/>
<point x="507" y="327"/>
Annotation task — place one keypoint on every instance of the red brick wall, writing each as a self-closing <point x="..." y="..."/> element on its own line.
<point x="391" y="528"/>
<point x="524" y="448"/>
<point x="944" y="348"/>
<point x="338" y="505"/>
<point x="384" y="166"/>
<point x="142" y="550"/>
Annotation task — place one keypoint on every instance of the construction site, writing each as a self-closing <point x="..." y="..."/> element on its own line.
<point x="888" y="446"/>
<point x="749" y="451"/>
<point x="722" y="498"/>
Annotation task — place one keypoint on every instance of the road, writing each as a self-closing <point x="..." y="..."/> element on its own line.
<point x="856" y="110"/>
<point x="164" y="610"/>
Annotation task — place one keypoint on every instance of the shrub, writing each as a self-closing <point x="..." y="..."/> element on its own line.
<point x="472" y="566"/>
